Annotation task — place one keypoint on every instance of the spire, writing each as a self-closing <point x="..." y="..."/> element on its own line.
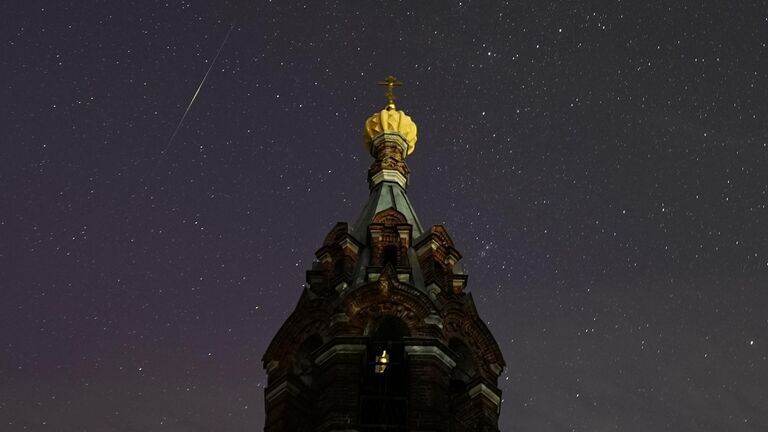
<point x="390" y="136"/>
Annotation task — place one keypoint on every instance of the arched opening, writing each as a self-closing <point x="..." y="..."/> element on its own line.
<point x="389" y="255"/>
<point x="303" y="366"/>
<point x="384" y="389"/>
<point x="389" y="328"/>
<point x="465" y="369"/>
<point x="339" y="267"/>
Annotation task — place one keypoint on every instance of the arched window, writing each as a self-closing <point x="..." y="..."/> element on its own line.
<point x="339" y="267"/>
<point x="303" y="366"/>
<point x="465" y="369"/>
<point x="388" y="328"/>
<point x="389" y="255"/>
<point x="384" y="390"/>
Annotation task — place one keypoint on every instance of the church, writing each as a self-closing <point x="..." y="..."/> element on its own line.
<point x="385" y="336"/>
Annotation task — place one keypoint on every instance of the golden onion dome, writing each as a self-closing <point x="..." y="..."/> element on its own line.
<point x="389" y="120"/>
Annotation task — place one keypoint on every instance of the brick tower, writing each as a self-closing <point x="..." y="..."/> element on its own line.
<point x="384" y="337"/>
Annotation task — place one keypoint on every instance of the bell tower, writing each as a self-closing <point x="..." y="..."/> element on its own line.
<point x="385" y="336"/>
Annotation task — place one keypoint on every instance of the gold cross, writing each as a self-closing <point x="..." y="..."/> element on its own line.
<point x="390" y="82"/>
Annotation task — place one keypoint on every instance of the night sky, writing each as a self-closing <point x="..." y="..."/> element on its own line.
<point x="602" y="167"/>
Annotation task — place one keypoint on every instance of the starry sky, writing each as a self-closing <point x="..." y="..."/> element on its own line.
<point x="602" y="167"/>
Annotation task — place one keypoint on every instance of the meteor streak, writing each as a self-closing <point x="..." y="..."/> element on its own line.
<point x="192" y="101"/>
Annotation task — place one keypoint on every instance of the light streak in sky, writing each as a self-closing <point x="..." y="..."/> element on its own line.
<point x="192" y="101"/>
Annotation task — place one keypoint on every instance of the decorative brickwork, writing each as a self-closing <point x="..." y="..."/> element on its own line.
<point x="389" y="160"/>
<point x="452" y="359"/>
<point x="384" y="289"/>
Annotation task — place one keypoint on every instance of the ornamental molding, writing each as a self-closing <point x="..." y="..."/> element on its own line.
<point x="339" y="349"/>
<point x="430" y="350"/>
<point x="483" y="390"/>
<point x="389" y="175"/>
<point x="279" y="389"/>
